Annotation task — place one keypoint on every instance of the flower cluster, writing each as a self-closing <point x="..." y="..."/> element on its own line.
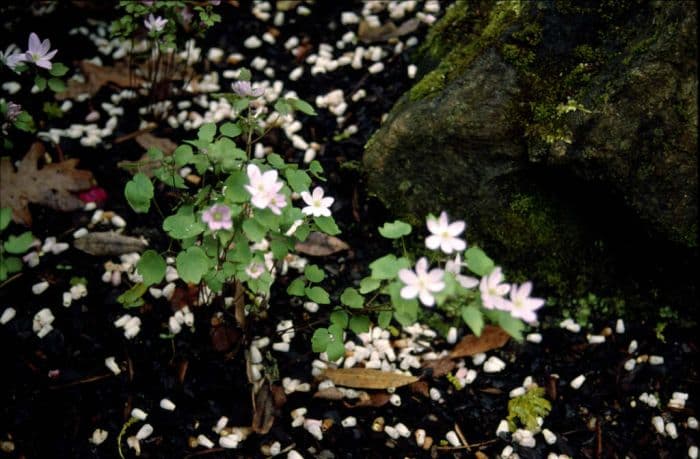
<point x="38" y="53"/>
<point x="245" y="89"/>
<point x="423" y="283"/>
<point x="264" y="189"/>
<point x="154" y="23"/>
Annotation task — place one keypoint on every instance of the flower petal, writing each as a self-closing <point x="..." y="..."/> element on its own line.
<point x="409" y="292"/>
<point x="408" y="277"/>
<point x="34" y="43"/>
<point x="327" y="202"/>
<point x="433" y="242"/>
<point x="318" y="193"/>
<point x="426" y="298"/>
<point x="306" y="196"/>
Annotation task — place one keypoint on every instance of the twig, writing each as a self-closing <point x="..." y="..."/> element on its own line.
<point x="462" y="438"/>
<point x="205" y="452"/>
<point x="81" y="381"/>
<point x="131" y="135"/>
<point x="10" y="279"/>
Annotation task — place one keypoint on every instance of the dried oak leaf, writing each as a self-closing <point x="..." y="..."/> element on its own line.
<point x="53" y="185"/>
<point x="492" y="337"/>
<point x="97" y="76"/>
<point x="367" y="378"/>
<point x="320" y="245"/>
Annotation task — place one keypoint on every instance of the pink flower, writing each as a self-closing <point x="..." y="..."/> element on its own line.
<point x="264" y="189"/>
<point x="245" y="89"/>
<point x="218" y="217"/>
<point x="421" y="283"/>
<point x="255" y="269"/>
<point x="38" y="52"/>
<point x="521" y="305"/>
<point x="493" y="290"/>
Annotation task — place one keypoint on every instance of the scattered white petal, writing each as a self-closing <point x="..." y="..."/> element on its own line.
<point x="577" y="382"/>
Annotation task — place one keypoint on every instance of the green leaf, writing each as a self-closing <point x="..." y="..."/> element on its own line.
<point x="512" y="325"/>
<point x="298" y="180"/>
<point x="359" y="324"/>
<point x="335" y="350"/>
<point x="5" y="217"/>
<point x="19" y="244"/>
<point x="183" y="155"/>
<point x="395" y="230"/>
<point x="132" y="298"/>
<point x="327" y="225"/>
<point x="139" y="192"/>
<point x="368" y="285"/>
<point x="317" y="295"/>
<point x="207" y="132"/>
<point x="478" y="262"/>
<point x="40" y="82"/>
<point x="388" y="266"/>
<point x="268" y="219"/>
<point x="254" y="230"/>
<point x="384" y="319"/>
<point x="405" y="311"/>
<point x="296" y="288"/>
<point x="58" y="69"/>
<point x="192" y="264"/>
<point x="339" y="318"/>
<point x="182" y="226"/>
<point x="313" y="273"/>
<point x="230" y="130"/>
<point x="57" y="85"/>
<point x="280" y="248"/>
<point x="474" y="318"/>
<point x="151" y="266"/>
<point x="9" y="265"/>
<point x="320" y="340"/>
<point x="316" y="170"/>
<point x="282" y="107"/>
<point x="352" y="299"/>
<point x="244" y="74"/>
<point x="302" y="106"/>
<point x="276" y="161"/>
<point x="235" y="190"/>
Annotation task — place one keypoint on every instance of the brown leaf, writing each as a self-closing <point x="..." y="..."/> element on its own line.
<point x="369" y="34"/>
<point x="332" y="393"/>
<point x="421" y="388"/>
<point x="492" y="337"/>
<point x="263" y="410"/>
<point x="375" y="399"/>
<point x="440" y="367"/>
<point x="366" y="378"/>
<point x="101" y="243"/>
<point x="51" y="186"/>
<point x="148" y="140"/>
<point x="97" y="76"/>
<point x="320" y="245"/>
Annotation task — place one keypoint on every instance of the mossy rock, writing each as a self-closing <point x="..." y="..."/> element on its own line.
<point x="534" y="119"/>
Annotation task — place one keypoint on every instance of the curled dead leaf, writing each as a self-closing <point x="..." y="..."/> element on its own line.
<point x="492" y="337"/>
<point x="101" y="243"/>
<point x="321" y="245"/>
<point x="53" y="185"/>
<point x="366" y="378"/>
<point x="332" y="393"/>
<point x="374" y="399"/>
<point x="440" y="367"/>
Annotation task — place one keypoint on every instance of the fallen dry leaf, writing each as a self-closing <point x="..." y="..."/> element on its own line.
<point x="148" y="140"/>
<point x="421" y="388"/>
<point x="332" y="393"/>
<point x="320" y="245"/>
<point x="263" y="409"/>
<point x="369" y="34"/>
<point x="375" y="400"/>
<point x="366" y="378"/>
<point x="102" y="243"/>
<point x="492" y="337"/>
<point x="440" y="367"/>
<point x="97" y="76"/>
<point x="53" y="185"/>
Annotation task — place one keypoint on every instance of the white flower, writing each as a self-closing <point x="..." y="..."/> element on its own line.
<point x="445" y="234"/>
<point x="318" y="206"/>
<point x="521" y="305"/>
<point x="421" y="283"/>
<point x="155" y="23"/>
<point x="454" y="267"/>
<point x="264" y="189"/>
<point x="493" y="290"/>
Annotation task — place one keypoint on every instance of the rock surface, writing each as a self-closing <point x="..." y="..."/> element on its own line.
<point x="545" y="123"/>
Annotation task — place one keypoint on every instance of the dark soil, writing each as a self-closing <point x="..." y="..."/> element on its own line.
<point x="58" y="390"/>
